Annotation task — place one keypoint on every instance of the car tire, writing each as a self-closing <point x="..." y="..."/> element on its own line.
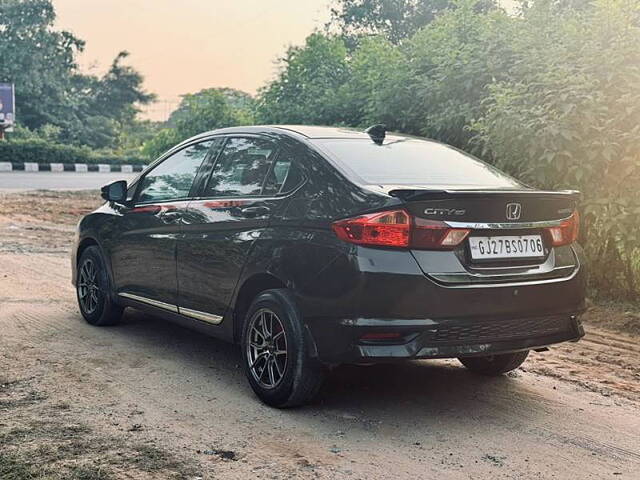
<point x="276" y="352"/>
<point x="495" y="364"/>
<point x="93" y="290"/>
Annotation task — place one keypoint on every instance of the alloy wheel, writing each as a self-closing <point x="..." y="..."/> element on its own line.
<point x="267" y="353"/>
<point x="88" y="288"/>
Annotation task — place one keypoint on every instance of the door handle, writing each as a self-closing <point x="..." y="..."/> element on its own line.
<point x="257" y="211"/>
<point x="171" y="216"/>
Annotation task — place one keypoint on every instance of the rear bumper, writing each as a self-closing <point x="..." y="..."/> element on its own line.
<point x="383" y="291"/>
<point x="341" y="341"/>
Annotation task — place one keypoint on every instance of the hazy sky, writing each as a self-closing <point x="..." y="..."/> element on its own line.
<point x="184" y="46"/>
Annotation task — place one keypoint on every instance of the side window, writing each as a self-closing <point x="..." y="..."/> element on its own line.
<point x="285" y="175"/>
<point x="172" y="179"/>
<point x="241" y="168"/>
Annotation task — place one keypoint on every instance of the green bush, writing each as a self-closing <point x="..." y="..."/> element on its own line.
<point x="568" y="116"/>
<point x="550" y="94"/>
<point x="41" y="151"/>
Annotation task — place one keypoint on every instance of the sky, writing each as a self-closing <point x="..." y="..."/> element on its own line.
<point x="184" y="46"/>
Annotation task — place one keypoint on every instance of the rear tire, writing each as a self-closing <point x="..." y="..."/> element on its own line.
<point x="276" y="353"/>
<point x="93" y="290"/>
<point x="495" y="364"/>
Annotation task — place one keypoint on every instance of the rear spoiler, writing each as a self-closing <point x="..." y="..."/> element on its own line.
<point x="409" y="194"/>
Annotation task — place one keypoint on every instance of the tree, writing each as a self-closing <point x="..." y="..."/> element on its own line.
<point x="451" y="63"/>
<point x="119" y="92"/>
<point x="102" y="107"/>
<point x="567" y="115"/>
<point x="396" y="20"/>
<point x="376" y="91"/>
<point x="200" y="112"/>
<point x="207" y="100"/>
<point x="305" y="90"/>
<point x="38" y="59"/>
<point x="50" y="90"/>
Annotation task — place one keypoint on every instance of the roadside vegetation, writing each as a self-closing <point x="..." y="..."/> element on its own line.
<point x="549" y="91"/>
<point x="59" y="108"/>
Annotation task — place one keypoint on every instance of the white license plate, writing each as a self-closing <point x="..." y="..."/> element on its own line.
<point x="506" y="246"/>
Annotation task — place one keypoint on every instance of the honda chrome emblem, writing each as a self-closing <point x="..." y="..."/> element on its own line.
<point x="514" y="210"/>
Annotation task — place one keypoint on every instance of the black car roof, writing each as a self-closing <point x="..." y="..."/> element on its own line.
<point x="324" y="132"/>
<point x="302" y="130"/>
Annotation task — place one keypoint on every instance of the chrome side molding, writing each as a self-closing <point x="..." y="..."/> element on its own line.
<point x="202" y="316"/>
<point x="150" y="301"/>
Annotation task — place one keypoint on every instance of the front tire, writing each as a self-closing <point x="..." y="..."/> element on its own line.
<point x="276" y="353"/>
<point x="495" y="364"/>
<point x="93" y="290"/>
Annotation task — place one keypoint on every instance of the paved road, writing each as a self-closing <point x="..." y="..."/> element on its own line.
<point x="21" y="181"/>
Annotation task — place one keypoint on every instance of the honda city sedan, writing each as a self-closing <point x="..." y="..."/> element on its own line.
<point x="312" y="247"/>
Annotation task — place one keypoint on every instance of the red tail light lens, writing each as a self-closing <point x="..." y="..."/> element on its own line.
<point x="431" y="234"/>
<point x="397" y="228"/>
<point x="567" y="232"/>
<point x="389" y="229"/>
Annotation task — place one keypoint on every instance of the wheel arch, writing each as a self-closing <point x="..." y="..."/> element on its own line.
<point x="250" y="289"/>
<point x="91" y="241"/>
<point x="83" y="245"/>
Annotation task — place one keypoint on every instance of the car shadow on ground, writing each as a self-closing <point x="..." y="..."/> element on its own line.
<point x="411" y="390"/>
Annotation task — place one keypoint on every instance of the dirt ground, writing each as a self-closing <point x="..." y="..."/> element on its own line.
<point x="148" y="399"/>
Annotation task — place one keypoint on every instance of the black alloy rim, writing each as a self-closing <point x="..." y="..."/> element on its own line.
<point x="89" y="292"/>
<point x="267" y="348"/>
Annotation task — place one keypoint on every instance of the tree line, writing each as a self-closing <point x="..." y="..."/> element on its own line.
<point x="56" y="103"/>
<point x="547" y="90"/>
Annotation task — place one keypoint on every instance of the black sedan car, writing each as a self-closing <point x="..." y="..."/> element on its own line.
<point x="313" y="247"/>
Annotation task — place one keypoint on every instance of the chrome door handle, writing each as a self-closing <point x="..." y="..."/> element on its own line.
<point x="171" y="217"/>
<point x="257" y="211"/>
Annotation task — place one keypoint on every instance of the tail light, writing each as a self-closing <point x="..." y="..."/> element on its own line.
<point x="388" y="229"/>
<point x="567" y="232"/>
<point x="396" y="228"/>
<point x="432" y="234"/>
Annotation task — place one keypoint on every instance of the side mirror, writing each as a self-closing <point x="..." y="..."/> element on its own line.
<point x="115" y="192"/>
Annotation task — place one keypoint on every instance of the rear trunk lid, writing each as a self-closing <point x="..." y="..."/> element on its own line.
<point x="501" y="220"/>
<point x="487" y="206"/>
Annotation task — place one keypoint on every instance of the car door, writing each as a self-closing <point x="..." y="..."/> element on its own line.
<point x="143" y="253"/>
<point x="220" y="227"/>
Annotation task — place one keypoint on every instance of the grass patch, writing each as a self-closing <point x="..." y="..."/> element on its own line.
<point x="89" y="473"/>
<point x="150" y="458"/>
<point x="28" y="399"/>
<point x="40" y="440"/>
<point x="13" y="468"/>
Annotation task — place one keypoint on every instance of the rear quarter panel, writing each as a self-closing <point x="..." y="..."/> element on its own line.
<point x="299" y="245"/>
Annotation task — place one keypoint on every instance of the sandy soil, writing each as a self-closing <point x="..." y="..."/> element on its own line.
<point x="148" y="399"/>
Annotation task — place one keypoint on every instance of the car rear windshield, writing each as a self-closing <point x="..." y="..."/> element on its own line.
<point x="407" y="161"/>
